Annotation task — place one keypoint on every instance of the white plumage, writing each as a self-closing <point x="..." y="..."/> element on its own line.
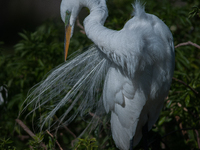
<point x="135" y="63"/>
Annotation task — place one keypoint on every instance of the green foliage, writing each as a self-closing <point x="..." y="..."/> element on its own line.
<point x="195" y="11"/>
<point x="6" y="144"/>
<point x="30" y="61"/>
<point x="86" y="144"/>
<point x="40" y="51"/>
<point x="36" y="143"/>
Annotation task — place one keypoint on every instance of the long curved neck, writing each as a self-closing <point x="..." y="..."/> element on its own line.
<point x="97" y="16"/>
<point x="106" y="39"/>
<point x="94" y="22"/>
<point x="92" y="4"/>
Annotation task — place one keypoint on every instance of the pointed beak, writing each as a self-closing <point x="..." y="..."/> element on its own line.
<point x="68" y="29"/>
<point x="67" y="39"/>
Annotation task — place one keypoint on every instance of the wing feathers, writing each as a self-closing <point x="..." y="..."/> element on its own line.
<point x="119" y="133"/>
<point x="119" y="98"/>
<point x="125" y="103"/>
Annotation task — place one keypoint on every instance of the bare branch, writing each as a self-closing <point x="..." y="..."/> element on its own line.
<point x="23" y="137"/>
<point x="56" y="140"/>
<point x="198" y="138"/>
<point x="80" y="26"/>
<point x="25" y="128"/>
<point x="180" y="125"/>
<point x="66" y="128"/>
<point x="29" y="132"/>
<point x="188" y="43"/>
<point x="186" y="85"/>
<point x="93" y="115"/>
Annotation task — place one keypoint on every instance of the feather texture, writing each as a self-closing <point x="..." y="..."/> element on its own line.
<point x="139" y="78"/>
<point x="134" y="66"/>
<point x="76" y="81"/>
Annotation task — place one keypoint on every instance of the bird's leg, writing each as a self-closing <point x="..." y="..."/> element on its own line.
<point x="131" y="144"/>
<point x="145" y="136"/>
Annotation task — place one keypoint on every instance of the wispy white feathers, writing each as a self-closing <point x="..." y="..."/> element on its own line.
<point x="77" y="81"/>
<point x="138" y="9"/>
<point x="134" y="66"/>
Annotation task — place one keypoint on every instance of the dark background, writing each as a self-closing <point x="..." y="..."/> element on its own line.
<point x="16" y="15"/>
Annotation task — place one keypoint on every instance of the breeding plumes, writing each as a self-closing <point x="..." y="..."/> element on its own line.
<point x="133" y="67"/>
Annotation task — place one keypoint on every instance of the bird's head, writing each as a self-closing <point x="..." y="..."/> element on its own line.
<point x="69" y="10"/>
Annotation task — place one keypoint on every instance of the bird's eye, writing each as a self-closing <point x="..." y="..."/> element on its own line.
<point x="67" y="17"/>
<point x="68" y="13"/>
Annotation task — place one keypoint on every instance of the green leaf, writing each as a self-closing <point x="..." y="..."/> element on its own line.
<point x="24" y="36"/>
<point x="169" y="104"/>
<point x="161" y="121"/>
<point x="187" y="100"/>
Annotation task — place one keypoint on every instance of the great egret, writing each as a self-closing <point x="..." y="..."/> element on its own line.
<point x="135" y="63"/>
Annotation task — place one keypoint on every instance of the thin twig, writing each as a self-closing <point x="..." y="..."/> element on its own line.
<point x="66" y="128"/>
<point x="56" y="140"/>
<point x="29" y="132"/>
<point x="198" y="137"/>
<point x="25" y="128"/>
<point x="23" y="137"/>
<point x="80" y="26"/>
<point x="186" y="85"/>
<point x="180" y="125"/>
<point x="188" y="43"/>
<point x="95" y="116"/>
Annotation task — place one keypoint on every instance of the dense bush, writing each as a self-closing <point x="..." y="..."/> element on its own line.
<point x="40" y="51"/>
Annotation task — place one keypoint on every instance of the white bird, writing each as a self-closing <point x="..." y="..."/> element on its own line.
<point x="134" y="66"/>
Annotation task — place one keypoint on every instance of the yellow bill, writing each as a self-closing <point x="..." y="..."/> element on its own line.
<point x="67" y="39"/>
